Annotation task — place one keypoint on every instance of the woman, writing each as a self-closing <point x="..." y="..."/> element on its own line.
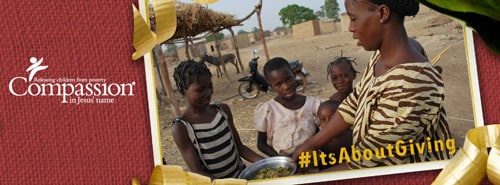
<point x="399" y="98"/>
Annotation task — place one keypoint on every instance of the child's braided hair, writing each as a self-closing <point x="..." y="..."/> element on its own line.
<point x="188" y="72"/>
<point x="342" y="60"/>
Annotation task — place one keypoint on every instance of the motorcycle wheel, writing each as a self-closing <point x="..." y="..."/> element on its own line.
<point x="301" y="82"/>
<point x="248" y="90"/>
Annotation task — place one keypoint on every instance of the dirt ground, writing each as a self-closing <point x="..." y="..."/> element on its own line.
<point x="434" y="31"/>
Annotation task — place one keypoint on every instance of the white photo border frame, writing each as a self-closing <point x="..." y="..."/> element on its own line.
<point x="473" y="77"/>
<point x="151" y="94"/>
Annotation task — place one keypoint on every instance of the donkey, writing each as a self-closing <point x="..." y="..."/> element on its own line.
<point x="215" y="61"/>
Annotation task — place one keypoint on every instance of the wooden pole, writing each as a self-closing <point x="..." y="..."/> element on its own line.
<point x="221" y="62"/>
<point x="157" y="67"/>
<point x="193" y="47"/>
<point x="166" y="82"/>
<point x="186" y="45"/>
<point x="235" y="45"/>
<point x="264" y="45"/>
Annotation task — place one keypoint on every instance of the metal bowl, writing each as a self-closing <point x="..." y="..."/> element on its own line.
<point x="250" y="172"/>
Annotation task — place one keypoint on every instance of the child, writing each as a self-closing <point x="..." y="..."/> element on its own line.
<point x="205" y="133"/>
<point x="289" y="119"/>
<point x="341" y="73"/>
<point x="325" y="113"/>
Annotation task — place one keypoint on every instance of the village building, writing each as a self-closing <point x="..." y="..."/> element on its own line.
<point x="327" y="26"/>
<point x="344" y="19"/>
<point x="306" y="29"/>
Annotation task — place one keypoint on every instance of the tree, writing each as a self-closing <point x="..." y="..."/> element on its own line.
<point x="280" y="28"/>
<point x="255" y="30"/>
<point x="331" y="9"/>
<point x="295" y="14"/>
<point x="169" y="48"/>
<point x="242" y="32"/>
<point x="211" y="37"/>
<point x="320" y="13"/>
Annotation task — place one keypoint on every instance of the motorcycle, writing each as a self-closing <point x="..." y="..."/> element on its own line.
<point x="254" y="82"/>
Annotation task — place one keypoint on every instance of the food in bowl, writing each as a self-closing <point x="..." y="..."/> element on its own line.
<point x="274" y="163"/>
<point x="266" y="173"/>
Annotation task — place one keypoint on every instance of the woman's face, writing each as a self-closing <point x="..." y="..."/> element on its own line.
<point x="341" y="78"/>
<point x="364" y="24"/>
<point x="283" y="82"/>
<point x="199" y="93"/>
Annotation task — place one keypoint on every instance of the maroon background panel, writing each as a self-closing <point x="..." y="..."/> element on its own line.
<point x="488" y="66"/>
<point x="44" y="141"/>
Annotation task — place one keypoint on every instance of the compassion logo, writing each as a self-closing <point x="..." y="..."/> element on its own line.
<point x="71" y="90"/>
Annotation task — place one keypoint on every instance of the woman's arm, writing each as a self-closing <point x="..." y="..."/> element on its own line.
<point x="187" y="150"/>
<point x="243" y="150"/>
<point x="333" y="128"/>
<point x="263" y="146"/>
<point x="336" y="144"/>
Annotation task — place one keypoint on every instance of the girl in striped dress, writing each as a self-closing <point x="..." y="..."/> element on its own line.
<point x="400" y="97"/>
<point x="205" y="133"/>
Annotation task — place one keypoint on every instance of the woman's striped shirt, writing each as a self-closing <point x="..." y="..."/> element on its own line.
<point x="404" y="104"/>
<point x="216" y="146"/>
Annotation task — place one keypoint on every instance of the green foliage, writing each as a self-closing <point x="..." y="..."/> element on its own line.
<point x="280" y="28"/>
<point x="242" y="32"/>
<point x="331" y="9"/>
<point x="320" y="13"/>
<point x="255" y="30"/>
<point x="482" y="16"/>
<point x="171" y="48"/>
<point x="295" y="14"/>
<point x="211" y="38"/>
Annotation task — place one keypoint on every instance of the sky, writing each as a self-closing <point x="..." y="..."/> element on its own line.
<point x="270" y="9"/>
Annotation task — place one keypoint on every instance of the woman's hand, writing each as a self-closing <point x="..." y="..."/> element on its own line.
<point x="333" y="128"/>
<point x="304" y="147"/>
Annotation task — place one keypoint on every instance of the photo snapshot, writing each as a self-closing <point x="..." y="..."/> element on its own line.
<point x="295" y="92"/>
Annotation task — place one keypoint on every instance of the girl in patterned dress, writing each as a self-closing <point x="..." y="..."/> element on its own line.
<point x="205" y="133"/>
<point x="287" y="120"/>
<point x="400" y="97"/>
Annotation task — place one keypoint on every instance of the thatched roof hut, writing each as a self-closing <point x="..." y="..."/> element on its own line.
<point x="194" y="19"/>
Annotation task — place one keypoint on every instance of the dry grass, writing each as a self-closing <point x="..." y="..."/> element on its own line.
<point x="195" y="19"/>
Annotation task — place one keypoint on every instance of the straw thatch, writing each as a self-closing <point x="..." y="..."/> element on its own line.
<point x="194" y="19"/>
